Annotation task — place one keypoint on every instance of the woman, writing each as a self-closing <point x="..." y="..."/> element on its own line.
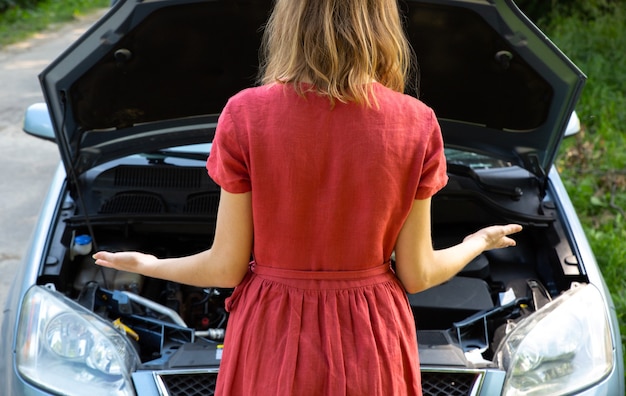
<point x="326" y="169"/>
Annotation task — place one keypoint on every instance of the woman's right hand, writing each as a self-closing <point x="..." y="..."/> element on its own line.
<point x="125" y="261"/>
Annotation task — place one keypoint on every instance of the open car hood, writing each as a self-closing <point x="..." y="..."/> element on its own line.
<point x="154" y="74"/>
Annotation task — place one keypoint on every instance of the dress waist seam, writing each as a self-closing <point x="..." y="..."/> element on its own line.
<point x="320" y="275"/>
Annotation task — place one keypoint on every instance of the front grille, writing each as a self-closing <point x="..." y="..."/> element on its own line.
<point x="448" y="383"/>
<point x="433" y="383"/>
<point x="193" y="384"/>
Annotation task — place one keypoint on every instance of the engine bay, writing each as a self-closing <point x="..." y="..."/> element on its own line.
<point x="168" y="208"/>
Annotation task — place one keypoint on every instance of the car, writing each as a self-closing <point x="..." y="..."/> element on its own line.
<point x="133" y="105"/>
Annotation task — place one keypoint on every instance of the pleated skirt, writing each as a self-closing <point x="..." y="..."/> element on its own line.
<point x="319" y="333"/>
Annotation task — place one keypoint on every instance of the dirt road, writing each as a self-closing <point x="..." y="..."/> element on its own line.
<point x="26" y="163"/>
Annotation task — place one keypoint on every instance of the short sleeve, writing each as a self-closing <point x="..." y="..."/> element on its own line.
<point x="228" y="161"/>
<point x="434" y="174"/>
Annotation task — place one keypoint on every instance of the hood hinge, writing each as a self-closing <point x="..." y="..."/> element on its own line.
<point x="532" y="163"/>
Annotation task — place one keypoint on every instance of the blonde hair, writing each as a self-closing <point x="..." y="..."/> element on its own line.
<point x="339" y="47"/>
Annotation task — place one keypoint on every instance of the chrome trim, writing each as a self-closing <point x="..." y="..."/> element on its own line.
<point x="475" y="391"/>
<point x="478" y="382"/>
<point x="162" y="388"/>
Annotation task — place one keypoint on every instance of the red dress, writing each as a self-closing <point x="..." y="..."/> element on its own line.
<point x="321" y="312"/>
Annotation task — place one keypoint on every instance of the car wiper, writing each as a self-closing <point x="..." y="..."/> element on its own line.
<point x="161" y="155"/>
<point x="514" y="193"/>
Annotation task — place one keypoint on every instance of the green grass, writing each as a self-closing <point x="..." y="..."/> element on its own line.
<point x="18" y="23"/>
<point x="593" y="164"/>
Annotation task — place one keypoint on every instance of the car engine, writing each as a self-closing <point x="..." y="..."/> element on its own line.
<point x="167" y="206"/>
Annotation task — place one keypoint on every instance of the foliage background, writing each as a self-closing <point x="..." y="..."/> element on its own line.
<point x="21" y="18"/>
<point x="6" y="4"/>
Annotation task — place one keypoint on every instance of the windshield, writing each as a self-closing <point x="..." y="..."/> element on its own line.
<point x="474" y="160"/>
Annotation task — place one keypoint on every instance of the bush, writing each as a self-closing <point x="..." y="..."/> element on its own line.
<point x="543" y="11"/>
<point x="6" y="4"/>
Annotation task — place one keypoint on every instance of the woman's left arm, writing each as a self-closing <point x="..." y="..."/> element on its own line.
<point x="223" y="265"/>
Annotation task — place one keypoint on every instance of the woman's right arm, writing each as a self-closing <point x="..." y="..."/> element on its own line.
<point x="419" y="266"/>
<point x="223" y="265"/>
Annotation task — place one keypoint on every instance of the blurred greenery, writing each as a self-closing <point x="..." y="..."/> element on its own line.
<point x="19" y="19"/>
<point x="6" y="4"/>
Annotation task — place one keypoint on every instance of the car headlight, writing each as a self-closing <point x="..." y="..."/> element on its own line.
<point x="64" y="348"/>
<point x="564" y="347"/>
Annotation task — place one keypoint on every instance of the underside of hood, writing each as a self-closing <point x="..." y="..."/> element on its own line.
<point x="497" y="84"/>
